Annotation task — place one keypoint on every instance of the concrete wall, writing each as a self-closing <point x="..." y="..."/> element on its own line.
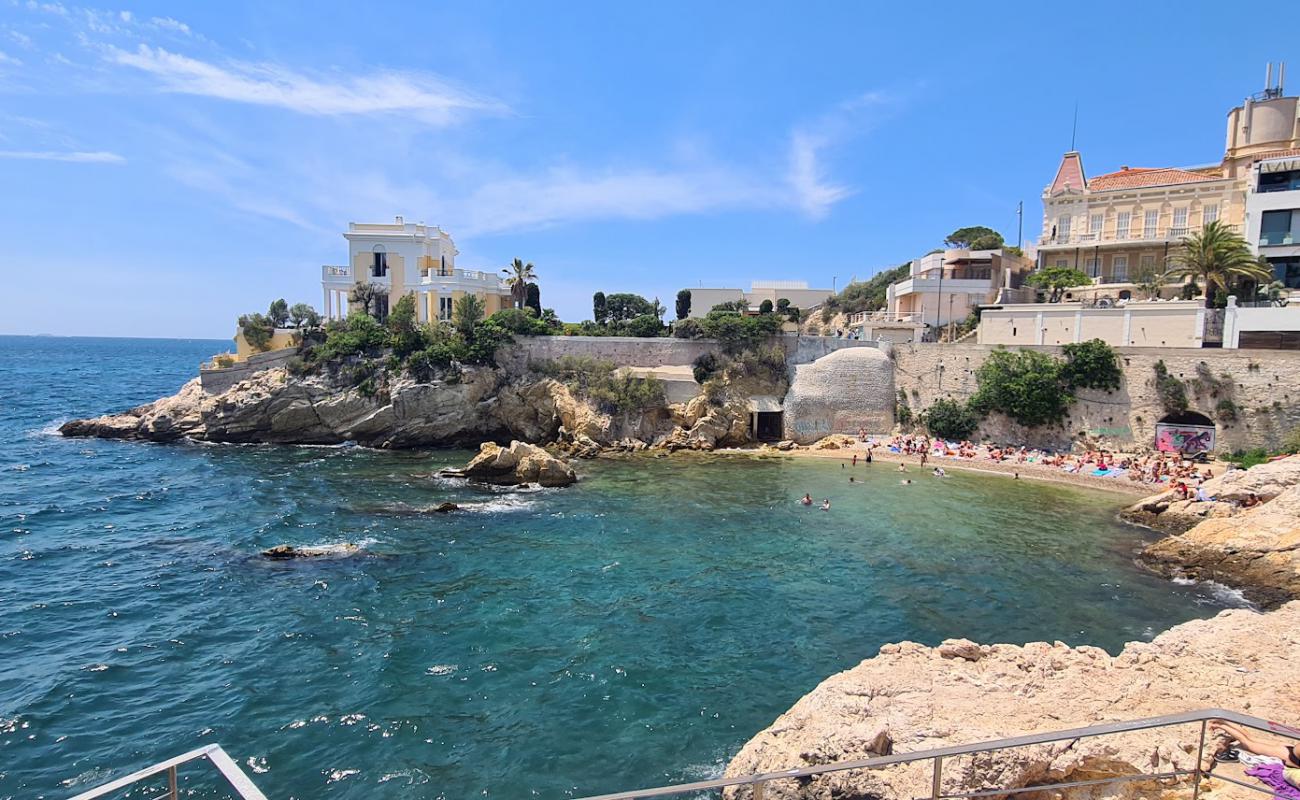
<point x="628" y="351"/>
<point x="1263" y="387"/>
<point x="841" y="392"/>
<point x="1164" y="324"/>
<point x="216" y="381"/>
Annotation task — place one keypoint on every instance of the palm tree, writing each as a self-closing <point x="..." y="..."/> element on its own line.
<point x="1217" y="256"/>
<point x="518" y="276"/>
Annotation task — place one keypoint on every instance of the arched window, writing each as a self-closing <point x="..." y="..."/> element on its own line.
<point x="379" y="268"/>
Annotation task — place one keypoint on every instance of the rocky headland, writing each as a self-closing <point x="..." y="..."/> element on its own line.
<point x="911" y="697"/>
<point x="1254" y="548"/>
<point x="464" y="407"/>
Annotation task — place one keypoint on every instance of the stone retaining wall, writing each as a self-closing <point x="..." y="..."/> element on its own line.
<point x="216" y="381"/>
<point x="1261" y="386"/>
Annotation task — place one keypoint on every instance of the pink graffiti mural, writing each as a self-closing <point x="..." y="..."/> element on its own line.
<point x="1186" y="439"/>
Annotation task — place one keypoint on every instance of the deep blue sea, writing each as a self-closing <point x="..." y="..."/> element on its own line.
<point x="632" y="630"/>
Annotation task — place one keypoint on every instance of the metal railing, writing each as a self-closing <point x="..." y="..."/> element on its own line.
<point x="859" y="317"/>
<point x="335" y="271"/>
<point x="936" y="756"/>
<point x="217" y="757"/>
<point x="1162" y="234"/>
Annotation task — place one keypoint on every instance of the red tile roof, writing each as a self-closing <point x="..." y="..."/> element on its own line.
<point x="1069" y="176"/>
<point x="1134" y="178"/>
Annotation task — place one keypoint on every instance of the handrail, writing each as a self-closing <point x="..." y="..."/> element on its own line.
<point x="215" y="756"/>
<point x="938" y="754"/>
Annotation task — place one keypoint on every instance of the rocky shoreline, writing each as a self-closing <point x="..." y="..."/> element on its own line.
<point x="1254" y="548"/>
<point x="911" y="697"/>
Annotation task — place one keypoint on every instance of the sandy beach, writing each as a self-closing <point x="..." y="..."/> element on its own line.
<point x="883" y="459"/>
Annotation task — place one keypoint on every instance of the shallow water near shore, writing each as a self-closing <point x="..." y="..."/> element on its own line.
<point x="631" y="630"/>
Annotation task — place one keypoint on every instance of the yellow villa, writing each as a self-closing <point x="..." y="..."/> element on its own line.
<point x="408" y="258"/>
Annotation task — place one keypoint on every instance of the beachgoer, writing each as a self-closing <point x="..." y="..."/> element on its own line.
<point x="826" y="504"/>
<point x="1203" y="496"/>
<point x="1015" y="476"/>
<point x="1250" y="501"/>
<point x="807" y="500"/>
<point x="906" y="481"/>
<point x="902" y="467"/>
<point x="855" y="459"/>
<point x="1288" y="754"/>
<point x="850" y="479"/>
<point x="868" y="455"/>
<point x="939" y="473"/>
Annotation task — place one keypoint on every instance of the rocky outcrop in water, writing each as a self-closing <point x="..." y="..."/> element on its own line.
<point x="911" y="697"/>
<point x="286" y="552"/>
<point x="517" y="464"/>
<point x="1255" y="549"/>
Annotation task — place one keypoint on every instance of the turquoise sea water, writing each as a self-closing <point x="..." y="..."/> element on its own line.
<point x="634" y="629"/>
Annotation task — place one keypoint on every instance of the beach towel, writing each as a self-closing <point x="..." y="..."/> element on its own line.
<point x="1271" y="776"/>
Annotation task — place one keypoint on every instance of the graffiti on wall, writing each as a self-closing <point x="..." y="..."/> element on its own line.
<point x="1186" y="439"/>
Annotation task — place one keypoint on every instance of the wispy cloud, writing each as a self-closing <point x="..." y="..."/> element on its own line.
<point x="21" y="38"/>
<point x="418" y="95"/>
<point x="814" y="193"/>
<point x="5" y="58"/>
<point x="169" y="24"/>
<point x="75" y="156"/>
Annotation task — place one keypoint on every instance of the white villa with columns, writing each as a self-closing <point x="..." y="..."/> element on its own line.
<point x="408" y="258"/>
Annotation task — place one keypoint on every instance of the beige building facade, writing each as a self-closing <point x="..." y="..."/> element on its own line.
<point x="1123" y="225"/>
<point x="948" y="285"/>
<point x="408" y="258"/>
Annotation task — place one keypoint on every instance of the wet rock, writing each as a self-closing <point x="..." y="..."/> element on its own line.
<point x="282" y="552"/>
<point x="519" y="463"/>
<point x="444" y="508"/>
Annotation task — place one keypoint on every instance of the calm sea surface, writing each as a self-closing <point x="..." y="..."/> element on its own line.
<point x="634" y="629"/>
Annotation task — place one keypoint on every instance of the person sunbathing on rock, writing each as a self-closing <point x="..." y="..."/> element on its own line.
<point x="1288" y="754"/>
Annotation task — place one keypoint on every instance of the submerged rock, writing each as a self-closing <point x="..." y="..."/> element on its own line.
<point x="443" y="508"/>
<point x="287" y="551"/>
<point x="519" y="463"/>
<point x="911" y="697"/>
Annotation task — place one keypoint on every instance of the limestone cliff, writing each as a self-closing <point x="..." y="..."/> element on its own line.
<point x="912" y="697"/>
<point x="461" y="407"/>
<point x="1254" y="549"/>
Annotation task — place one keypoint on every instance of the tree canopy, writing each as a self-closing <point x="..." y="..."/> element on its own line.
<point x="975" y="237"/>
<point x="1219" y="257"/>
<point x="1057" y="280"/>
<point x="624" y="306"/>
<point x="683" y="304"/>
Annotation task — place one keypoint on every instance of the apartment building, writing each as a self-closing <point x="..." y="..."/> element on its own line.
<point x="946" y="286"/>
<point x="1120" y="225"/>
<point x="800" y="295"/>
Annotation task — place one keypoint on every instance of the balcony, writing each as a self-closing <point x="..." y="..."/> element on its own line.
<point x="331" y="273"/>
<point x="1274" y="238"/>
<point x="884" y="318"/>
<point x="444" y="277"/>
<point x="1159" y="235"/>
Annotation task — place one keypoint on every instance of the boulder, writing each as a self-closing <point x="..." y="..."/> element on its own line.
<point x="517" y="464"/>
<point x="444" y="508"/>
<point x="912" y="697"/>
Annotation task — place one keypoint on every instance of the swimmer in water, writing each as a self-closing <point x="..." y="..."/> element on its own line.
<point x="902" y="467"/>
<point x="906" y="481"/>
<point x="939" y="473"/>
<point x="826" y="504"/>
<point x="850" y="479"/>
<point x="806" y="500"/>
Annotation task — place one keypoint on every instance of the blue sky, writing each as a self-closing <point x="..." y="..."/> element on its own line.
<point x="166" y="167"/>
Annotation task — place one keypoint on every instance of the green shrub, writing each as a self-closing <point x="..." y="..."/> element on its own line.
<point x="360" y="334"/>
<point x="257" y="330"/>
<point x="1091" y="364"/>
<point x="689" y="328"/>
<point x="611" y="389"/>
<point x="1170" y="390"/>
<point x="736" y="333"/>
<point x="765" y="307"/>
<point x="1246" y="459"/>
<point x="868" y="295"/>
<point x="519" y="321"/>
<point x="403" y="328"/>
<point x="645" y="326"/>
<point x="1026" y="386"/>
<point x="705" y="366"/>
<point x="762" y="362"/>
<point x="902" y="411"/>
<point x="483" y="345"/>
<point x="224" y="360"/>
<point x="1226" y="410"/>
<point x="949" y="419"/>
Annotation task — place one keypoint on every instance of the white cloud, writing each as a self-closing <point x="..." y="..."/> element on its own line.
<point x="125" y="16"/>
<point x="8" y="59"/>
<point x="49" y="8"/>
<point x="22" y="39"/>
<point x="80" y="157"/>
<point x="812" y="193"/>
<point x="169" y="24"/>
<point x="419" y="95"/>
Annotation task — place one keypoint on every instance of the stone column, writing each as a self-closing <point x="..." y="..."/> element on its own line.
<point x="326" y="308"/>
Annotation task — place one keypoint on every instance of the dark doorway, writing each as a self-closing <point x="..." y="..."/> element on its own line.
<point x="769" y="425"/>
